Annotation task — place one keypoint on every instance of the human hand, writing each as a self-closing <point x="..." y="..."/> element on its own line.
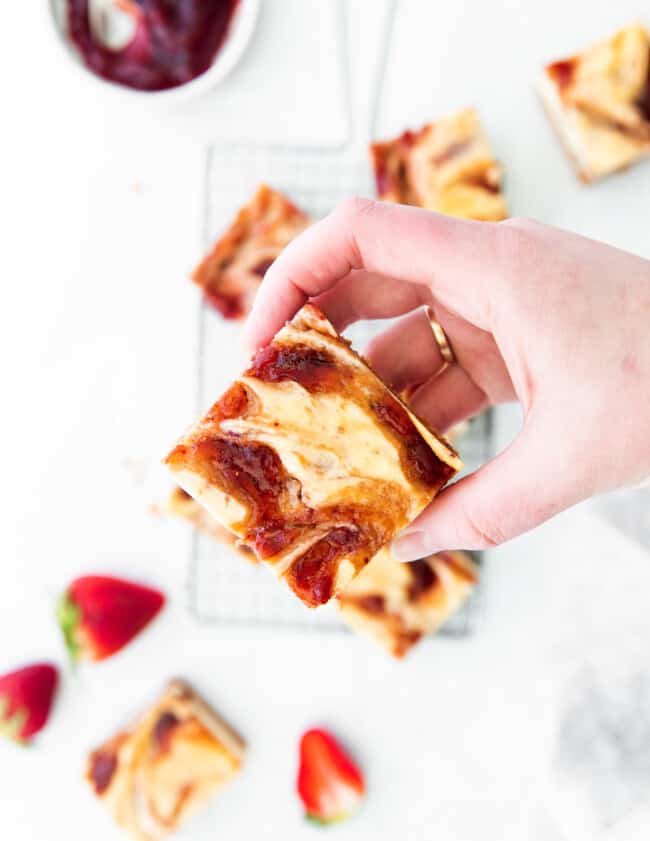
<point x="534" y="314"/>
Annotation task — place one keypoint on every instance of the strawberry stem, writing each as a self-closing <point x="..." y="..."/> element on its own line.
<point x="68" y="616"/>
<point x="317" y="820"/>
<point x="12" y="726"/>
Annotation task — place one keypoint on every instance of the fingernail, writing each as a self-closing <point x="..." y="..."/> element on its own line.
<point x="412" y="545"/>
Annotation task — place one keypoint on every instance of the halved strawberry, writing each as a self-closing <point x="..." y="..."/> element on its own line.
<point x="26" y="697"/>
<point x="99" y="615"/>
<point x="329" y="784"/>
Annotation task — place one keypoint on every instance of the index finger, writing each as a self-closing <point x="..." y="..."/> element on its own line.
<point x="451" y="256"/>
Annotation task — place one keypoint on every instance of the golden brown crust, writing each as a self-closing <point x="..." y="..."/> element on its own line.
<point x="311" y="460"/>
<point x="599" y="103"/>
<point x="446" y="166"/>
<point x="397" y="604"/>
<point x="232" y="272"/>
<point x="154" y="775"/>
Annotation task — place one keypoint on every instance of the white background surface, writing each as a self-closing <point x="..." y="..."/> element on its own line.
<point x="101" y="220"/>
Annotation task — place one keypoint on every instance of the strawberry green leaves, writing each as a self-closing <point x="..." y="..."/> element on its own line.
<point x="26" y="697"/>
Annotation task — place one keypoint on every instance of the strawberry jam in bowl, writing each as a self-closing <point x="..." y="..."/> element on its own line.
<point x="158" y="48"/>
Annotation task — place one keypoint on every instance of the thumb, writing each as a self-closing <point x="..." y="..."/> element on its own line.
<point x="522" y="487"/>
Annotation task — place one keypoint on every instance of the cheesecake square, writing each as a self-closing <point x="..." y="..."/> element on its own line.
<point x="598" y="102"/>
<point x="397" y="604"/>
<point x="447" y="166"/>
<point x="154" y="775"/>
<point x="231" y="273"/>
<point x="310" y="459"/>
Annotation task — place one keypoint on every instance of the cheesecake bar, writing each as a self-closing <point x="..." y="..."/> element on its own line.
<point x="397" y="604"/>
<point x="233" y="270"/>
<point x="447" y="166"/>
<point x="154" y="775"/>
<point x="598" y="101"/>
<point x="311" y="460"/>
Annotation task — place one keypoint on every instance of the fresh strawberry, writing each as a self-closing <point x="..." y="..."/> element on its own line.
<point x="329" y="783"/>
<point x="99" y="615"/>
<point x="26" y="697"/>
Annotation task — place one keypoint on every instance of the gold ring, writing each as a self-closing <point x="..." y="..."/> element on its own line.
<point x="441" y="340"/>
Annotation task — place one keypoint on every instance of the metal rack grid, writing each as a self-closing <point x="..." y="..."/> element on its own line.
<point x="222" y="588"/>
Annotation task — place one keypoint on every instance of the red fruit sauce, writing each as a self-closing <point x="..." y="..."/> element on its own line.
<point x="423" y="578"/>
<point x="174" y="41"/>
<point x="644" y="101"/>
<point x="163" y="730"/>
<point x="312" y="575"/>
<point x="313" y="369"/>
<point x="562" y="72"/>
<point x="103" y="765"/>
<point x="423" y="464"/>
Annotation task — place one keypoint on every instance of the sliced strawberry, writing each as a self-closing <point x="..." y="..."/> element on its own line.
<point x="100" y="615"/>
<point x="26" y="697"/>
<point x="329" y="784"/>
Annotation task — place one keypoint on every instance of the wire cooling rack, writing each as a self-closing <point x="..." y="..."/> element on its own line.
<point x="222" y="587"/>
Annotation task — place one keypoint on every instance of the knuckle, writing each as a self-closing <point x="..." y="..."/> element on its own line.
<point x="519" y="242"/>
<point x="347" y="218"/>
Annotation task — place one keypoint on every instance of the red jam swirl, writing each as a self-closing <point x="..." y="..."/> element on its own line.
<point x="387" y="177"/>
<point x="410" y="137"/>
<point x="311" y="368"/>
<point x="253" y="468"/>
<point x="423" y="579"/>
<point x="461" y="570"/>
<point x="312" y="576"/>
<point x="163" y="730"/>
<point x="250" y="470"/>
<point x="274" y="537"/>
<point x="644" y="101"/>
<point x="374" y="604"/>
<point x="261" y="268"/>
<point x="422" y="463"/>
<point x="231" y="306"/>
<point x="562" y="72"/>
<point x="395" y="177"/>
<point x="254" y="471"/>
<point x="173" y="43"/>
<point x="383" y="181"/>
<point x="102" y="767"/>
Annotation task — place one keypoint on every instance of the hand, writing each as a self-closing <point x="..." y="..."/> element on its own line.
<point x="558" y="322"/>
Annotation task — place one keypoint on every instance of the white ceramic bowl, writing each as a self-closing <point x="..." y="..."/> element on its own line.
<point x="237" y="39"/>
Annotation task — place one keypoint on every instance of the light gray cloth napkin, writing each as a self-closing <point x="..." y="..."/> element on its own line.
<point x="600" y="773"/>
